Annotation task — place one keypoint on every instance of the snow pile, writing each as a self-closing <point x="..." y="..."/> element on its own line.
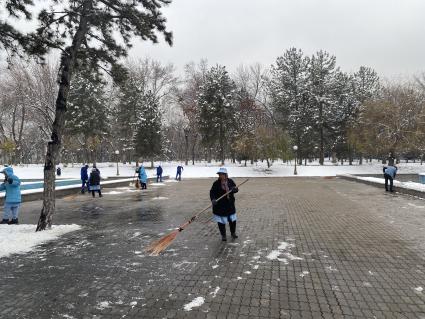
<point x="18" y="239"/>
<point x="197" y="302"/>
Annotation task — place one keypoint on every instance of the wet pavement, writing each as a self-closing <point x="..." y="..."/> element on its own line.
<point x="307" y="248"/>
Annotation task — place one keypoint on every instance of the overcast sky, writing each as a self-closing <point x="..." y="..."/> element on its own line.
<point x="388" y="35"/>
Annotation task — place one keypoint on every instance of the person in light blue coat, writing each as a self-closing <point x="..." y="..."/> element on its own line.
<point x="12" y="202"/>
<point x="390" y="173"/>
<point x="143" y="177"/>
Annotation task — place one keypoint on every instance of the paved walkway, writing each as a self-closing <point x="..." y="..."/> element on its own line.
<point x="308" y="248"/>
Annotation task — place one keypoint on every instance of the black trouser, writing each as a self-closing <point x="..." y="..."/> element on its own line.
<point x="143" y="185"/>
<point x="388" y="177"/>
<point x="222" y="228"/>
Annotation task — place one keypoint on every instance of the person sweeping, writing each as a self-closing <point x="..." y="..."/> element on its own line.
<point x="156" y="247"/>
<point x="224" y="210"/>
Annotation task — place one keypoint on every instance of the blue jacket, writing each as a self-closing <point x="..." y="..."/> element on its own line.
<point x="159" y="170"/>
<point x="179" y="169"/>
<point x="390" y="170"/>
<point x="84" y="174"/>
<point x="142" y="175"/>
<point x="13" y="191"/>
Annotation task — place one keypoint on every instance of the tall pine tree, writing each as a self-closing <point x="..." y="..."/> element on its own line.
<point x="148" y="137"/>
<point x="87" y="118"/>
<point x="217" y="111"/>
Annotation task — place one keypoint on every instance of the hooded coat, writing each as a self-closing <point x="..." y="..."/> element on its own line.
<point x="143" y="177"/>
<point x="13" y="189"/>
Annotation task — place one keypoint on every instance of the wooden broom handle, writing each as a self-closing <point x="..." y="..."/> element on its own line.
<point x="181" y="227"/>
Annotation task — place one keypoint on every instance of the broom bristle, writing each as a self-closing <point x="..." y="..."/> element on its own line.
<point x="161" y="244"/>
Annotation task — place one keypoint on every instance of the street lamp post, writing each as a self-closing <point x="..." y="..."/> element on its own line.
<point x="296" y="153"/>
<point x="117" y="153"/>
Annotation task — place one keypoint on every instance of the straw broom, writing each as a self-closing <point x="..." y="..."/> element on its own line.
<point x="161" y="244"/>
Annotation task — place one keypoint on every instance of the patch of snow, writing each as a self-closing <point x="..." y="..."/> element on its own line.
<point x="214" y="293"/>
<point x="273" y="254"/>
<point x="304" y="273"/>
<point x="331" y="268"/>
<point x="157" y="184"/>
<point x="255" y="267"/>
<point x="419" y="289"/>
<point x="247" y="272"/>
<point x="19" y="239"/>
<point x="214" y="266"/>
<point x="112" y="193"/>
<point x="159" y="198"/>
<point x="102" y="305"/>
<point x="197" y="302"/>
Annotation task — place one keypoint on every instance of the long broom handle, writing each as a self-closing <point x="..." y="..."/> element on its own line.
<point x="183" y="226"/>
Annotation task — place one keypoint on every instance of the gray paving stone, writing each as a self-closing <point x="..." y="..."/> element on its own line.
<point x="362" y="250"/>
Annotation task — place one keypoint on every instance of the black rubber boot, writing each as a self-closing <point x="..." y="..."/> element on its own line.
<point x="222" y="228"/>
<point x="14" y="221"/>
<point x="4" y="221"/>
<point x="233" y="229"/>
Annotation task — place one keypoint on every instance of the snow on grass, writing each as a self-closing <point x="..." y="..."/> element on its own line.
<point x="19" y="239"/>
<point x="204" y="169"/>
<point x="406" y="185"/>
<point x="197" y="302"/>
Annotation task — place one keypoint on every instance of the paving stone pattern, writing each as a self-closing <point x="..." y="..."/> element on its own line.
<point x="307" y="248"/>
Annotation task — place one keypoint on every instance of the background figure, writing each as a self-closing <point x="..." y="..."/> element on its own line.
<point x="94" y="181"/>
<point x="389" y="174"/>
<point x="143" y="177"/>
<point x="84" y="178"/>
<point x="159" y="174"/>
<point x="58" y="171"/>
<point x="12" y="202"/>
<point x="179" y="173"/>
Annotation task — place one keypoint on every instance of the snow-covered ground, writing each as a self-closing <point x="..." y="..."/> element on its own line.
<point x="18" y="239"/>
<point x="407" y="185"/>
<point x="203" y="169"/>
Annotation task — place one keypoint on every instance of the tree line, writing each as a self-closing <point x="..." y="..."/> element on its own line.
<point x="255" y="113"/>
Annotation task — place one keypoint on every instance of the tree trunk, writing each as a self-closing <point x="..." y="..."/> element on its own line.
<point x="221" y="144"/>
<point x="67" y="65"/>
<point x="321" y="154"/>
<point x="186" y="152"/>
<point x="360" y="159"/>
